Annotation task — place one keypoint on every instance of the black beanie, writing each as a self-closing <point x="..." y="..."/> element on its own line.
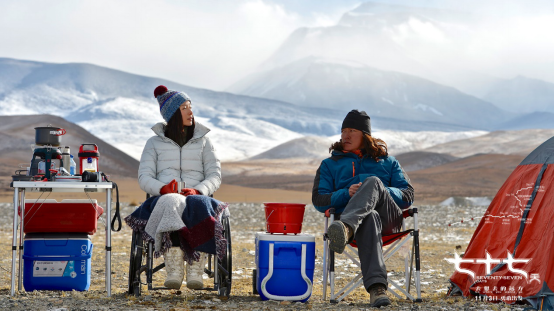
<point x="357" y="120"/>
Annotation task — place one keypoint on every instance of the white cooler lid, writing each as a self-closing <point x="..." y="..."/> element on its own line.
<point x="263" y="236"/>
<point x="57" y="236"/>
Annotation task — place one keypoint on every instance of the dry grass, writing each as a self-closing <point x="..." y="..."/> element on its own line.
<point x="438" y="242"/>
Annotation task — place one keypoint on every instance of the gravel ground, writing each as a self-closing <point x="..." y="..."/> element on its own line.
<point x="439" y="241"/>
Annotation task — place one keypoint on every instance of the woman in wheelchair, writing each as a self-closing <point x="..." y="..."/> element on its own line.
<point x="180" y="151"/>
<point x="369" y="189"/>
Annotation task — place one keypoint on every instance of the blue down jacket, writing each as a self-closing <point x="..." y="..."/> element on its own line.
<point x="338" y="172"/>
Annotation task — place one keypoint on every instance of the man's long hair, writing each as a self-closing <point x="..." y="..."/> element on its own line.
<point x="174" y="128"/>
<point x="372" y="147"/>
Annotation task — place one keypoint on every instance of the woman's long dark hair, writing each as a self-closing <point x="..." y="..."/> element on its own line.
<point x="373" y="147"/>
<point x="175" y="129"/>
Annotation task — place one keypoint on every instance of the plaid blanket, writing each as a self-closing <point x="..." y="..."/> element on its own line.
<point x="202" y="230"/>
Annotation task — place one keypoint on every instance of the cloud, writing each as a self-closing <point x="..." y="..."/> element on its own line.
<point x="500" y="38"/>
<point x="515" y="45"/>
<point x="212" y="44"/>
<point x="205" y="44"/>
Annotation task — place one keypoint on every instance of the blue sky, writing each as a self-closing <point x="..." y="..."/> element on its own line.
<point x="214" y="43"/>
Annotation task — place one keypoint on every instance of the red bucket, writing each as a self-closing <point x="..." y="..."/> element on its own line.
<point x="284" y="217"/>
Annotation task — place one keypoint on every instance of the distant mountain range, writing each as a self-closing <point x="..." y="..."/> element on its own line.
<point x="381" y="58"/>
<point x="522" y="95"/>
<point x="426" y="144"/>
<point x="371" y="34"/>
<point x="331" y="83"/>
<point x="521" y="143"/>
<point x="447" y="125"/>
<point x="120" y="107"/>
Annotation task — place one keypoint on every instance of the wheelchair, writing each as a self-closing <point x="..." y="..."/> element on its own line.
<point x="142" y="261"/>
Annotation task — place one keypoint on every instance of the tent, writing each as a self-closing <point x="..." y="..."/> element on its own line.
<point x="511" y="254"/>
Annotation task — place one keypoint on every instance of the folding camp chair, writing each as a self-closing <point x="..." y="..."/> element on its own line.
<point x="393" y="242"/>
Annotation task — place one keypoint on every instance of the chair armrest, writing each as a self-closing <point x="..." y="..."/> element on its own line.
<point x="409" y="212"/>
<point x="328" y="212"/>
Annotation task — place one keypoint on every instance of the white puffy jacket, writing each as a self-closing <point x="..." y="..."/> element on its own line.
<point x="195" y="163"/>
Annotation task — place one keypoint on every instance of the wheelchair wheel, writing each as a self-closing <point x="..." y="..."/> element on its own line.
<point x="227" y="263"/>
<point x="255" y="282"/>
<point x="135" y="263"/>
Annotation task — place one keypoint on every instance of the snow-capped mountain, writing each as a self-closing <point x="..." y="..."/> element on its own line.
<point x="399" y="62"/>
<point x="384" y="36"/>
<point x="331" y="83"/>
<point x="119" y="107"/>
<point x="412" y="40"/>
<point x="522" y="95"/>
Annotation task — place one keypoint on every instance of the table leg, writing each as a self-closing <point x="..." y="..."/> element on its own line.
<point x="21" y="235"/>
<point x="14" y="241"/>
<point x="108" y="242"/>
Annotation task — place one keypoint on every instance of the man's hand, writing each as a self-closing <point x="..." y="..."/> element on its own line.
<point x="353" y="189"/>
<point x="170" y="187"/>
<point x="189" y="191"/>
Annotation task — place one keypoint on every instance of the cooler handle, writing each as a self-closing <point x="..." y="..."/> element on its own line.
<point x="286" y="246"/>
<point x="74" y="258"/>
<point x="302" y="270"/>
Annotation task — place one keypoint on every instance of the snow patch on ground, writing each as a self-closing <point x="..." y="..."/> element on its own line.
<point x="466" y="201"/>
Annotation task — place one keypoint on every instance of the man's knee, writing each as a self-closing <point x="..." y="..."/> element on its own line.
<point x="373" y="182"/>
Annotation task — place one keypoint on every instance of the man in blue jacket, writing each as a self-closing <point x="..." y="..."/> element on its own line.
<point x="369" y="189"/>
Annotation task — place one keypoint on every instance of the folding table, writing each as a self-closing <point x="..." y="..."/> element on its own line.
<point x="21" y="187"/>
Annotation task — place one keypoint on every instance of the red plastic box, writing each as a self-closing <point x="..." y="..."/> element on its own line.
<point x="67" y="216"/>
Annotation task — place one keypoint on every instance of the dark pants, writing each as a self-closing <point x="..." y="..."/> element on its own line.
<point x="370" y="212"/>
<point x="175" y="239"/>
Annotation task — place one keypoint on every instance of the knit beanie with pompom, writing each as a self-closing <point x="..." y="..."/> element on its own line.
<point x="169" y="101"/>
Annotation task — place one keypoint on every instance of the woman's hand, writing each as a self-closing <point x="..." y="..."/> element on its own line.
<point x="353" y="189"/>
<point x="170" y="187"/>
<point x="189" y="191"/>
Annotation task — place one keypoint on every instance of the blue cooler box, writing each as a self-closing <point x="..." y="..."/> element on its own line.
<point x="56" y="261"/>
<point x="285" y="266"/>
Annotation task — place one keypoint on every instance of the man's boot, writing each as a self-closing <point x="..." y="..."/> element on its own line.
<point x="339" y="235"/>
<point x="175" y="268"/>
<point x="378" y="295"/>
